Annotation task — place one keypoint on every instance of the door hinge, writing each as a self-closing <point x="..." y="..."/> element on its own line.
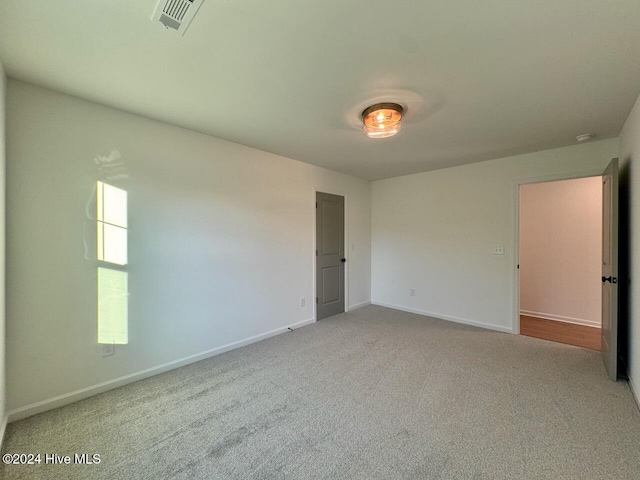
<point x="316" y="299"/>
<point x="316" y="204"/>
<point x="316" y="253"/>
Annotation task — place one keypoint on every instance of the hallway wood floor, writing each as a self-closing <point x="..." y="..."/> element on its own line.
<point x="561" y="332"/>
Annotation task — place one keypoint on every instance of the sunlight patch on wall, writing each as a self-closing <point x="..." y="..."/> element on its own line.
<point x="113" y="288"/>
<point x="112" y="224"/>
<point x="113" y="317"/>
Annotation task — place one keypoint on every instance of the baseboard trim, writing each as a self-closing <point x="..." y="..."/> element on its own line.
<point x="3" y="429"/>
<point x="81" y="394"/>
<point x="633" y="392"/>
<point x="448" y="318"/>
<point x="359" y="305"/>
<point x="561" y="318"/>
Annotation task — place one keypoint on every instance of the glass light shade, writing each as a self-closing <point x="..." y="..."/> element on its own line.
<point x="382" y="120"/>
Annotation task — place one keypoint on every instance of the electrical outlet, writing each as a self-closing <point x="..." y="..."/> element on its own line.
<point x="108" y="349"/>
<point x="412" y="292"/>
<point x="303" y="301"/>
<point x="498" y="250"/>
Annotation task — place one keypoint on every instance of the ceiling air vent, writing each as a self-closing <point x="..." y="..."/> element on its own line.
<point x="176" y="14"/>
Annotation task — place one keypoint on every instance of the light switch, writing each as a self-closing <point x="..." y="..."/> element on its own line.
<point x="498" y="250"/>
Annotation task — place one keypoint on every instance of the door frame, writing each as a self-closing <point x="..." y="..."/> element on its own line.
<point x="515" y="325"/>
<point x="347" y="251"/>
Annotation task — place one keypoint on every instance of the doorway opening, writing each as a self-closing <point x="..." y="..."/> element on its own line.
<point x="330" y="255"/>
<point x="560" y="261"/>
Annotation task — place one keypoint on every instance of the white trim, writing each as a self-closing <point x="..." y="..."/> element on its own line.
<point x="3" y="428"/>
<point x="87" y="392"/>
<point x="560" y="318"/>
<point x="633" y="393"/>
<point x="339" y="193"/>
<point x="358" y="305"/>
<point x="515" y="215"/>
<point x="448" y="318"/>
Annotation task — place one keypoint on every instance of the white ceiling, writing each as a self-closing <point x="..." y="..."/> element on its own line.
<point x="481" y="79"/>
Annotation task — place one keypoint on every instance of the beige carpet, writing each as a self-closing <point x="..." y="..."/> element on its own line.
<point x="371" y="394"/>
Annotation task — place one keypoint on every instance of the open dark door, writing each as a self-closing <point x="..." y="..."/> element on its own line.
<point x="610" y="269"/>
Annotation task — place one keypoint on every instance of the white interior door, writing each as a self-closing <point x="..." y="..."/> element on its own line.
<point x="610" y="269"/>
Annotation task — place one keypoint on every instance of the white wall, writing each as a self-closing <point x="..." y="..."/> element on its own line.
<point x="435" y="232"/>
<point x="560" y="250"/>
<point x="630" y="179"/>
<point x="3" y="391"/>
<point x="221" y="244"/>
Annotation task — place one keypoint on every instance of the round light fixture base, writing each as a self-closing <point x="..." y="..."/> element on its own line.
<point x="585" y="137"/>
<point x="382" y="120"/>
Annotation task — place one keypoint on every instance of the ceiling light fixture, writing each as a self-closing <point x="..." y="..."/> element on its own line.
<point x="382" y="120"/>
<point x="585" y="137"/>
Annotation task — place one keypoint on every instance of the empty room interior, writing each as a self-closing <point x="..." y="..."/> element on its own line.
<point x="295" y="240"/>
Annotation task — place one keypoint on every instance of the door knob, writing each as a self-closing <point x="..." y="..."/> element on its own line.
<point x="610" y="279"/>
